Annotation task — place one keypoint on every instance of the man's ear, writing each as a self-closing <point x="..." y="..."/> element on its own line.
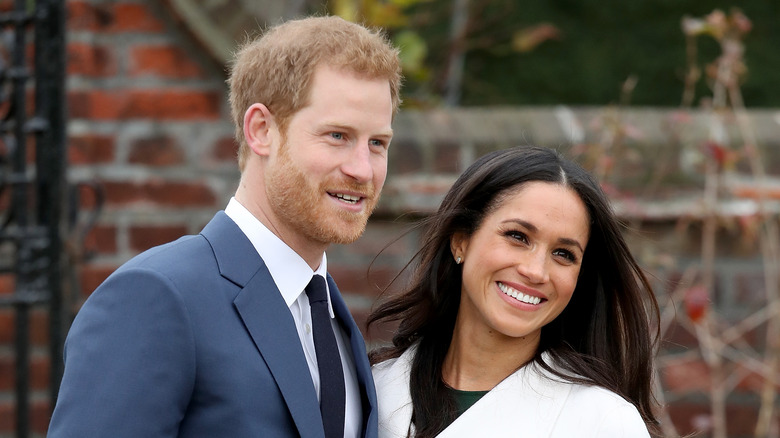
<point x="259" y="129"/>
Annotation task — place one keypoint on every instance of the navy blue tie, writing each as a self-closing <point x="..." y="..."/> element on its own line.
<point x="332" y="392"/>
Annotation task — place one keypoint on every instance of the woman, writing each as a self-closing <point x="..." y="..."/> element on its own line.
<point x="527" y="315"/>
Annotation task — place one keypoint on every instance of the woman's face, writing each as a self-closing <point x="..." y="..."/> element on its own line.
<point x="520" y="267"/>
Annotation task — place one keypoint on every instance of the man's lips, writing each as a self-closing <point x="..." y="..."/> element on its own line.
<point x="345" y="197"/>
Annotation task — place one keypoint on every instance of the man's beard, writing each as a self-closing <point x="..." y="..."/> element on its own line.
<point x="299" y="203"/>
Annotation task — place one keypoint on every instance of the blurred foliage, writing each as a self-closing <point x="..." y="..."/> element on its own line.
<point x="578" y="52"/>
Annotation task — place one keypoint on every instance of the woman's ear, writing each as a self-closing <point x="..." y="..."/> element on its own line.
<point x="459" y="243"/>
<point x="259" y="129"/>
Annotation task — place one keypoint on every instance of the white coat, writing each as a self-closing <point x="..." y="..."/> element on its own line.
<point x="531" y="403"/>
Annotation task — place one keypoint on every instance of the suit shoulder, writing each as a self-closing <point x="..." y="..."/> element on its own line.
<point x="189" y="245"/>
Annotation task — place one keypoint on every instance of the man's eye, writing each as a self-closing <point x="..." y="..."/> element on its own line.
<point x="337" y="135"/>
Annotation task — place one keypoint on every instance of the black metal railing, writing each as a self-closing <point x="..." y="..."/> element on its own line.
<point x="32" y="180"/>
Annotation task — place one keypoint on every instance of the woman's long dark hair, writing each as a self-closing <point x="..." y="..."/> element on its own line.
<point x="603" y="337"/>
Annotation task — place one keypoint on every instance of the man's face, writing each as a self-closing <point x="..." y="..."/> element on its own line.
<point x="326" y="178"/>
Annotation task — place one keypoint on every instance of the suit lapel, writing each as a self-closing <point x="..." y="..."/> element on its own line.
<point x="360" y="358"/>
<point x="268" y="321"/>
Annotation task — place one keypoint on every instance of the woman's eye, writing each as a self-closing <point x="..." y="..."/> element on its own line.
<point x="517" y="235"/>
<point x="566" y="255"/>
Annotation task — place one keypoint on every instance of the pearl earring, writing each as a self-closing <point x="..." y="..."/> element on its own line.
<point x="458" y="260"/>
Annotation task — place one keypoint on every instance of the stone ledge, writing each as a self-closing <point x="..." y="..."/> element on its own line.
<point x="420" y="195"/>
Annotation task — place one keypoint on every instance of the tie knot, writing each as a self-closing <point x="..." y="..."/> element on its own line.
<point x="316" y="290"/>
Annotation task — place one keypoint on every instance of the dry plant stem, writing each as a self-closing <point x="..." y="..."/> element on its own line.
<point x="669" y="313"/>
<point x="714" y="358"/>
<point x="667" y="426"/>
<point x="692" y="75"/>
<point x="770" y="251"/>
<point x="704" y="331"/>
<point x="457" y="56"/>
<point x="754" y="364"/>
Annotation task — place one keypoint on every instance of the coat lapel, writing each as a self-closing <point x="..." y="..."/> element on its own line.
<point x="268" y="320"/>
<point x="530" y="398"/>
<point x="528" y="401"/>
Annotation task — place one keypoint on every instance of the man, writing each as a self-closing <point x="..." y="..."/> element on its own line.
<point x="215" y="335"/>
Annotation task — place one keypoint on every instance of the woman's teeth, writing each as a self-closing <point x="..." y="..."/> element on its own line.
<point x="519" y="296"/>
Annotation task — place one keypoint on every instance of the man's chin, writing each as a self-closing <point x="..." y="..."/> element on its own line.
<point x="347" y="232"/>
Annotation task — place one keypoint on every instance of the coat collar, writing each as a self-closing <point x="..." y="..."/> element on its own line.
<point x="271" y="326"/>
<point x="493" y="415"/>
<point x="268" y="321"/>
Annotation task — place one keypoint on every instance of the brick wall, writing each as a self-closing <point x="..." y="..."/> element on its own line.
<point x="149" y="126"/>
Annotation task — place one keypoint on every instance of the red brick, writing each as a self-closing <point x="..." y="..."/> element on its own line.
<point x="40" y="367"/>
<point x="111" y="17"/>
<point x="40" y="414"/>
<point x="39" y="327"/>
<point x="692" y="419"/>
<point x="179" y="105"/>
<point x="164" y="61"/>
<point x="92" y="276"/>
<point x="406" y="157"/>
<point x="89" y="60"/>
<point x="377" y="334"/>
<point x="146" y="104"/>
<point x="355" y="280"/>
<point x="101" y="239"/>
<point x="163" y="192"/>
<point x="142" y="238"/>
<point x="84" y="16"/>
<point x="134" y="17"/>
<point x="447" y="157"/>
<point x="678" y="337"/>
<point x="7" y="373"/>
<point x="5" y="196"/>
<point x="156" y="151"/>
<point x="122" y="192"/>
<point x="385" y="240"/>
<point x="90" y="149"/>
<point x="40" y="372"/>
<point x="688" y="417"/>
<point x="89" y="195"/>
<point x="686" y="376"/>
<point x="757" y="192"/>
<point x="7" y="329"/>
<point x="7" y="417"/>
<point x="7" y="283"/>
<point x="179" y="194"/>
<point x="225" y="149"/>
<point x="753" y="382"/>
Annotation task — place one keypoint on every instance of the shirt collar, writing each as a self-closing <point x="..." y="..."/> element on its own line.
<point x="288" y="269"/>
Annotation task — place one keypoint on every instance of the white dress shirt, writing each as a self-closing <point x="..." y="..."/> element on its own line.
<point x="291" y="275"/>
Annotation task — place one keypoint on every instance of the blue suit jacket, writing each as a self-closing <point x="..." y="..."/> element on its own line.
<point x="193" y="339"/>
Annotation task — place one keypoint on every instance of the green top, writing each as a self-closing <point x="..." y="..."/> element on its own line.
<point x="465" y="399"/>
